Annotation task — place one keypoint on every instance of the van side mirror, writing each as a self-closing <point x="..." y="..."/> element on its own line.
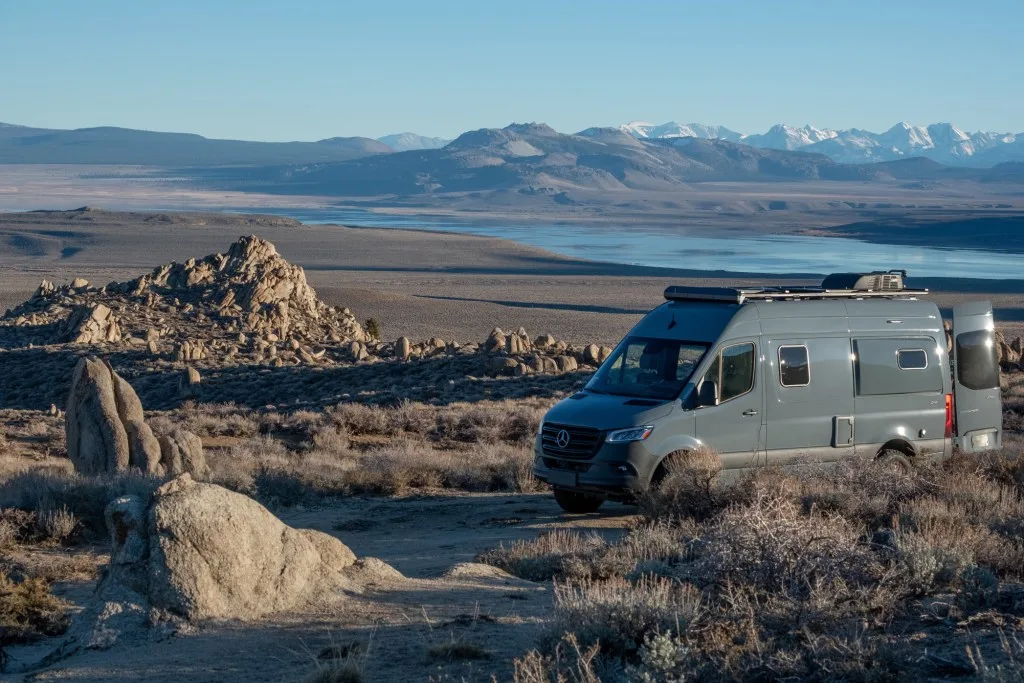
<point x="707" y="395"/>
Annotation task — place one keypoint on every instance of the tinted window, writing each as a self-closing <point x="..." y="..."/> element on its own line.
<point x="737" y="371"/>
<point x="794" y="369"/>
<point x="912" y="359"/>
<point x="648" y="368"/>
<point x="977" y="366"/>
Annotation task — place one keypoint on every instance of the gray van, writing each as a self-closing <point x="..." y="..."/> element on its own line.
<point x="858" y="366"/>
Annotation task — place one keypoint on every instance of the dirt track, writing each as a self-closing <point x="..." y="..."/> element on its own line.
<point x="424" y="538"/>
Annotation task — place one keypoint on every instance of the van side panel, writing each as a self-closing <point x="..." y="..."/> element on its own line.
<point x="815" y="420"/>
<point x="898" y="402"/>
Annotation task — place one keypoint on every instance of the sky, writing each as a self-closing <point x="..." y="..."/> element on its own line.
<point x="312" y="69"/>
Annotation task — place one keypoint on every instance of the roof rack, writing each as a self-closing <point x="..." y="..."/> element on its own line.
<point x="739" y="296"/>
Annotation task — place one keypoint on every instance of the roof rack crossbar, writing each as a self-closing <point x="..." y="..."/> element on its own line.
<point x="739" y="295"/>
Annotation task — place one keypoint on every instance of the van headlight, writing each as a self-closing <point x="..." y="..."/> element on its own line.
<point x="631" y="434"/>
<point x="540" y="428"/>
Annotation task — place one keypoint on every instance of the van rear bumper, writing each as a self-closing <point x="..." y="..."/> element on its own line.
<point x="617" y="470"/>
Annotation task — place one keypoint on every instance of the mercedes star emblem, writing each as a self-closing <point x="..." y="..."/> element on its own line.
<point x="562" y="439"/>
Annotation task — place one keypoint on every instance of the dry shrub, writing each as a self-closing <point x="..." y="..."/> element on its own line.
<point x="213" y="419"/>
<point x="776" y="547"/>
<point x="618" y="614"/>
<point x="69" y="502"/>
<point x="567" y="663"/>
<point x="687" y="489"/>
<point x="266" y="468"/>
<point x="547" y="556"/>
<point x="28" y="611"/>
<point x="57" y="524"/>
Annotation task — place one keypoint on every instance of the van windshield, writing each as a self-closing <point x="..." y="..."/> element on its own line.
<point x="648" y="368"/>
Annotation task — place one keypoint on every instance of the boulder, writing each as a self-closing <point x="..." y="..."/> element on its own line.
<point x="182" y="451"/>
<point x="104" y="423"/>
<point x="514" y="345"/>
<point x="191" y="351"/>
<point x="544" y="341"/>
<point x="592" y="354"/>
<point x="201" y="551"/>
<point x="566" y="363"/>
<point x="190" y="384"/>
<point x="403" y="348"/>
<point x="495" y="340"/>
<point x="79" y="283"/>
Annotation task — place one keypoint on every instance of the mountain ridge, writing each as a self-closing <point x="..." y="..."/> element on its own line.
<point x="943" y="141"/>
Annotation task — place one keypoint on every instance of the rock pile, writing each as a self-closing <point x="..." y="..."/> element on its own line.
<point x="106" y="430"/>
<point x="90" y="325"/>
<point x="230" y="304"/>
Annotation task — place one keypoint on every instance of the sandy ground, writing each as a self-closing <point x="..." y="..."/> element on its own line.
<point x="399" y="622"/>
<point x="415" y="283"/>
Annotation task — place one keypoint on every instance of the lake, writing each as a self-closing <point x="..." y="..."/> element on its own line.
<point x="669" y="248"/>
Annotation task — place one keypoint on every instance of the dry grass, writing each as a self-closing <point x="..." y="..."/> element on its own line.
<point x="809" y="572"/>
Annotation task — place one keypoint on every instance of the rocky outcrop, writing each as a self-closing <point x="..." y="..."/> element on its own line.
<point x="199" y="551"/>
<point x="91" y="325"/>
<point x="104" y="425"/>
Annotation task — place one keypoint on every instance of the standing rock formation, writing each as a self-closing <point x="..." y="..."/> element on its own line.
<point x="190" y="384"/>
<point x="105" y="428"/>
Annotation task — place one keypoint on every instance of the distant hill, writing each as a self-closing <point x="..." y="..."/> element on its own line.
<point x="23" y="145"/>
<point x="535" y="159"/>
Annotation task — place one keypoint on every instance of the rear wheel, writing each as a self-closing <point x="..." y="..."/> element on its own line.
<point x="578" y="502"/>
<point x="895" y="460"/>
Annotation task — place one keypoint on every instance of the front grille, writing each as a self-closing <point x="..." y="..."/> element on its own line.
<point x="583" y="442"/>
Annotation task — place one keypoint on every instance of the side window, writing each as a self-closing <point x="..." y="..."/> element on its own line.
<point x="912" y="359"/>
<point x="794" y="366"/>
<point x="737" y="371"/>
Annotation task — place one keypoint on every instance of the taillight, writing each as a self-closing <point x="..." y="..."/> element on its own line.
<point x="949" y="416"/>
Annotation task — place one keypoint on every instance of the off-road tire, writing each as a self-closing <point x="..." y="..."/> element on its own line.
<point x="897" y="460"/>
<point x="578" y="503"/>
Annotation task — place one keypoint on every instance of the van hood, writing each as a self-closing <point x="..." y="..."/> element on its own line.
<point x="607" y="411"/>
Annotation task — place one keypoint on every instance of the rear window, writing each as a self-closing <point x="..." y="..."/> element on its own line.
<point x="912" y="359"/>
<point x="977" y="365"/>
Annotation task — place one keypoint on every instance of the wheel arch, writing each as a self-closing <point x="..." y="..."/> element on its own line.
<point x="899" y="444"/>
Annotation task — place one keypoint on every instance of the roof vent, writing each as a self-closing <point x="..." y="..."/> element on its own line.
<point x="877" y="281"/>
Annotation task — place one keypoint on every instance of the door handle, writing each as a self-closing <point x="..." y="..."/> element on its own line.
<point x="749" y="413"/>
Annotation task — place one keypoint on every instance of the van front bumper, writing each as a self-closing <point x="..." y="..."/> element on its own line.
<point x="615" y="470"/>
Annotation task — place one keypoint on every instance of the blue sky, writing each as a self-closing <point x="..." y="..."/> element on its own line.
<point x="308" y="70"/>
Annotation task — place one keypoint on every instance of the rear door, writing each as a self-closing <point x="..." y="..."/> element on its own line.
<point x="979" y="408"/>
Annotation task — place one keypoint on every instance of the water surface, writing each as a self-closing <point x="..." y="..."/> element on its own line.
<point x="672" y="248"/>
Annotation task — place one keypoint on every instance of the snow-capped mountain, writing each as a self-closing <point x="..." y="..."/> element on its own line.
<point x="403" y="142"/>
<point x="942" y="142"/>
<point x="781" y="136"/>
<point x="643" y="129"/>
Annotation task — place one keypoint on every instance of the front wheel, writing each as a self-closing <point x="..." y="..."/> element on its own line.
<point x="578" y="503"/>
